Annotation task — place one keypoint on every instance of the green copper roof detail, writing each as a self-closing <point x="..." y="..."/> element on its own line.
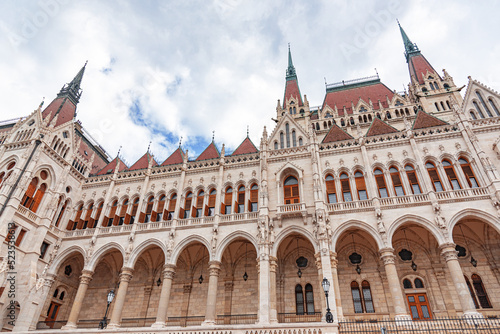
<point x="72" y="90"/>
<point x="290" y="71"/>
<point x="411" y="49"/>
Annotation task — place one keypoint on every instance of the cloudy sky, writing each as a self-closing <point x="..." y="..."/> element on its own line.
<point x="159" y="70"/>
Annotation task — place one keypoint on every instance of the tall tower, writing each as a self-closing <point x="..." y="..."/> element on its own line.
<point x="293" y="104"/>
<point x="427" y="87"/>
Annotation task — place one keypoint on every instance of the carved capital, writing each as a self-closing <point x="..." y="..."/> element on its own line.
<point x="86" y="276"/>
<point x="126" y="274"/>
<point x="214" y="268"/>
<point x="333" y="259"/>
<point x="169" y="271"/>
<point x="449" y="252"/>
<point x="387" y="256"/>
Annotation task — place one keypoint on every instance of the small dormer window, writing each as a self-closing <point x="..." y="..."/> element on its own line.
<point x="362" y="109"/>
<point x="85" y="152"/>
<point x="31" y="122"/>
<point x="328" y="115"/>
<point x="65" y="134"/>
<point x="399" y="103"/>
<point x="430" y="78"/>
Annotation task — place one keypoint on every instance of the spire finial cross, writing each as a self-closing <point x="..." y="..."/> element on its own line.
<point x="247" y="130"/>
<point x="180" y="142"/>
<point x="213" y="135"/>
<point x="118" y="154"/>
<point x="149" y="145"/>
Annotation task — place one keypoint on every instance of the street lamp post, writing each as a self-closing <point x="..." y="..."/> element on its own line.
<point x="326" y="288"/>
<point x="104" y="322"/>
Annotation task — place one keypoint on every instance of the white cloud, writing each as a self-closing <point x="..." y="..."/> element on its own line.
<point x="198" y="67"/>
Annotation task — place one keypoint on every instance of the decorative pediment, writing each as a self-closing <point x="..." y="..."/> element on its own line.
<point x="300" y="133"/>
<point x="291" y="165"/>
<point x="476" y="91"/>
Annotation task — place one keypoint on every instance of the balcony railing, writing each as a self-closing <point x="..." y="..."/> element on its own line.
<point x="236" y="319"/>
<point x="25" y="212"/>
<point x="462" y="193"/>
<point x="292" y="317"/>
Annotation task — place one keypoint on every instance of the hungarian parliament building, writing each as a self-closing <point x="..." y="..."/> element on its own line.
<point x="377" y="205"/>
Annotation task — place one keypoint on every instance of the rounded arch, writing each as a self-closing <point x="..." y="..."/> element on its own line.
<point x="52" y="179"/>
<point x="142" y="247"/>
<point x="290" y="171"/>
<point x="232" y="237"/>
<point x="394" y="163"/>
<point x="148" y="195"/>
<point x="343" y="170"/>
<point x="252" y="181"/>
<point x="358" y="224"/>
<point x="378" y="165"/>
<point x="358" y="168"/>
<point x="88" y="204"/>
<point x="103" y="251"/>
<point x="447" y="156"/>
<point x="418" y="220"/>
<point x="290" y="230"/>
<point x="240" y="183"/>
<point x="185" y="242"/>
<point x="64" y="255"/>
<point x="484" y="217"/>
<point x="410" y="161"/>
<point x="124" y="197"/>
<point x="198" y="188"/>
<point x="330" y="171"/>
<point x="226" y="185"/>
<point x="12" y="158"/>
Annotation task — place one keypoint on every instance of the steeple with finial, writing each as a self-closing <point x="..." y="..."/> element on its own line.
<point x="72" y="90"/>
<point x="290" y="71"/>
<point x="292" y="95"/>
<point x="411" y="49"/>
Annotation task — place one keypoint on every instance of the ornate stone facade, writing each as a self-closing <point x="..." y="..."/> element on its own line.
<point x="392" y="197"/>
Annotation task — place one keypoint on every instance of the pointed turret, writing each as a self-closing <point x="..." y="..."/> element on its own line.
<point x="418" y="66"/>
<point x="63" y="108"/>
<point x="292" y="85"/>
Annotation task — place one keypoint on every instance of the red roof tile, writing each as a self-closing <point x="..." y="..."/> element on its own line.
<point x="174" y="158"/>
<point x="419" y="66"/>
<point x="63" y="107"/>
<point x="246" y="147"/>
<point x="292" y="89"/>
<point x="210" y="152"/>
<point x="424" y="120"/>
<point x="110" y="168"/>
<point x="343" y="98"/>
<point x="142" y="163"/>
<point x="336" y="134"/>
<point x="379" y="127"/>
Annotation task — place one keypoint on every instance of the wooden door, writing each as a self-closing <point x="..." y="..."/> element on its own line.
<point x="52" y="314"/>
<point x="419" y="306"/>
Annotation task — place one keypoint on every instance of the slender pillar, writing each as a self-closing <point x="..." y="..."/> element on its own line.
<point x="214" y="270"/>
<point x="450" y="255"/>
<point x="326" y="268"/>
<point x="336" y="285"/>
<point x="85" y="279"/>
<point x="388" y="257"/>
<point x="273" y="265"/>
<point x="116" y="316"/>
<point x="264" y="289"/>
<point x="168" y="277"/>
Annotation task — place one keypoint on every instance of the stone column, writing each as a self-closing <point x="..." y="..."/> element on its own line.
<point x="264" y="288"/>
<point x="214" y="270"/>
<point x="336" y="286"/>
<point x="85" y="279"/>
<point x="326" y="269"/>
<point x="116" y="316"/>
<point x="168" y="277"/>
<point x="450" y="255"/>
<point x="273" y="265"/>
<point x="388" y="257"/>
<point x="228" y="299"/>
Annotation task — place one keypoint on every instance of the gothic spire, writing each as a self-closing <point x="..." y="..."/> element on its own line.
<point x="290" y="71"/>
<point x="72" y="90"/>
<point x="411" y="49"/>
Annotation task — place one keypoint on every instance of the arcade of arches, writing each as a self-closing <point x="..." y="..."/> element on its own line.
<point x="416" y="277"/>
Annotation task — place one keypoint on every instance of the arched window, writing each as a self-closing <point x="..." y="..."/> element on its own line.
<point x="379" y="178"/>
<point x="481" y="294"/>
<point x="300" y="141"/>
<point x="351" y="120"/>
<point x="199" y="204"/>
<point x="356" y="297"/>
<point x="364" y="119"/>
<point x="432" y="86"/>
<point x="299" y="300"/>
<point x="473" y="115"/>
<point x="275" y="145"/>
<point x="287" y="130"/>
<point x="133" y="213"/>
<point x="123" y="212"/>
<point x="436" y="85"/>
<point x="87" y="216"/>
<point x="291" y="190"/>
<point x="396" y="181"/>
<point x="388" y="115"/>
<point x="469" y="174"/>
<point x="494" y="106"/>
<point x="61" y="297"/>
<point x="442" y="105"/>
<point x="330" y="189"/>
<point x="485" y="106"/>
<point x="309" y="299"/>
<point x="108" y="221"/>
<point x="378" y="116"/>
<point x="294" y="139"/>
<point x="2" y="175"/>
<point x="433" y="174"/>
<point x="448" y="104"/>
<point x="149" y="210"/>
<point x="345" y="187"/>
<point x="37" y="199"/>
<point x="61" y="213"/>
<point x="97" y="215"/>
<point x="317" y="126"/>
<point x="418" y="283"/>
<point x="367" y="297"/>
<point x="412" y="178"/>
<point x="360" y="119"/>
<point x="450" y="173"/>
<point x="471" y="291"/>
<point x="30" y="192"/>
<point x="407" y="284"/>
<point x="397" y="113"/>
<point x="72" y="225"/>
<point x="370" y="117"/>
<point x="160" y="208"/>
<point x="436" y="105"/>
<point x="210" y="208"/>
<point x="56" y="292"/>
<point x="480" y="112"/>
<point x="228" y="197"/>
<point x="186" y="210"/>
<point x="171" y="206"/>
<point x="360" y="185"/>
<point x="282" y="140"/>
<point x="253" y="205"/>
<point x="240" y="200"/>
<point x="342" y="122"/>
